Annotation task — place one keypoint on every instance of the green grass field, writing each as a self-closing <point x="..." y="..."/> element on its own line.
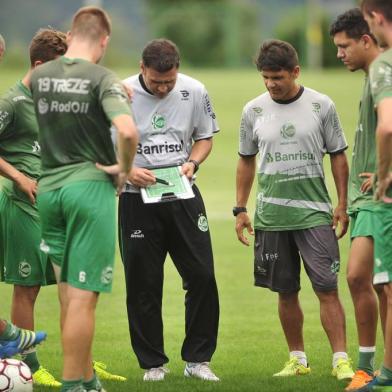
<point x="251" y="344"/>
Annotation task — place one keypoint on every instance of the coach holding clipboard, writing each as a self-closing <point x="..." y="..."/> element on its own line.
<point x="176" y="123"/>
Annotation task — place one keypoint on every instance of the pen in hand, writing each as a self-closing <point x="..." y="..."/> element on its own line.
<point x="164" y="182"/>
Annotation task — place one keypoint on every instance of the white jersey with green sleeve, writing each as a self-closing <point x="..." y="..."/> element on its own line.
<point x="291" y="138"/>
<point x="168" y="126"/>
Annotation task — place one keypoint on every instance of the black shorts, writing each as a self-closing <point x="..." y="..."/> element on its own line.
<point x="277" y="263"/>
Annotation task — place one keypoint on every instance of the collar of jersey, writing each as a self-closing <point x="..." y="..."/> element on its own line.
<point x="291" y="100"/>
<point x="24" y="88"/>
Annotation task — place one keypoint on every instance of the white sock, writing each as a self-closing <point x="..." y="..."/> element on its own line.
<point x="363" y="349"/>
<point x="338" y="355"/>
<point x="301" y="356"/>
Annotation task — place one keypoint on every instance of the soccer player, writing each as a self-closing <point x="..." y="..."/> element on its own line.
<point x="76" y="101"/>
<point x="378" y="14"/>
<point x="176" y="123"/>
<point x="292" y="127"/>
<point x="357" y="48"/>
<point x="14" y="340"/>
<point x="22" y="264"/>
<point x="2" y="47"/>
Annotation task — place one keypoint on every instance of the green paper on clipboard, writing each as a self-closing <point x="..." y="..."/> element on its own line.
<point x="179" y="186"/>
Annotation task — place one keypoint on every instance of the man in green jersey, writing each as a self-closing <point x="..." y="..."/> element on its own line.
<point x="76" y="103"/>
<point x="22" y="264"/>
<point x="357" y="48"/>
<point x="292" y="127"/>
<point x="378" y="14"/>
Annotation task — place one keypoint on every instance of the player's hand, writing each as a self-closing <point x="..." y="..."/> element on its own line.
<point x="128" y="90"/>
<point x="27" y="186"/>
<point x="340" y="219"/>
<point x="243" y="222"/>
<point x="188" y="169"/>
<point x="368" y="181"/>
<point x="382" y="187"/>
<point x="119" y="177"/>
<point x="141" y="177"/>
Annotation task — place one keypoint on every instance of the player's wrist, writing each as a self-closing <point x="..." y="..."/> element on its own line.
<point x="196" y="164"/>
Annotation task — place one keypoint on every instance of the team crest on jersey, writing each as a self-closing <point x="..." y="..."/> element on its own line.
<point x="202" y="223"/>
<point x="24" y="269"/>
<point x="107" y="275"/>
<point x="316" y="107"/>
<point x="335" y="267"/>
<point x="287" y="131"/>
<point x="36" y="147"/>
<point x="158" y="121"/>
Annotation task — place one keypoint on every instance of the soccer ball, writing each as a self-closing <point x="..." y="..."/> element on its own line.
<point x="15" y="376"/>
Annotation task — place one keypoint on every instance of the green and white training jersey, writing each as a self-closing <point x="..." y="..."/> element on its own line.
<point x="75" y="102"/>
<point x="364" y="152"/>
<point x="19" y="140"/>
<point x="291" y="139"/>
<point x="168" y="126"/>
<point x="381" y="81"/>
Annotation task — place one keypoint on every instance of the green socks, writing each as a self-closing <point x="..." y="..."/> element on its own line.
<point x="93" y="384"/>
<point x="31" y="360"/>
<point x="11" y="332"/>
<point x="386" y="374"/>
<point x="366" y="359"/>
<point x="72" y="386"/>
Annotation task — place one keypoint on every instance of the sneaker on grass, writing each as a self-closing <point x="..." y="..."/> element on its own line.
<point x="377" y="385"/>
<point x="360" y="379"/>
<point x="25" y="340"/>
<point x="103" y="374"/>
<point x="293" y="367"/>
<point x="155" y="374"/>
<point x="343" y="370"/>
<point x="200" y="370"/>
<point x="43" y="377"/>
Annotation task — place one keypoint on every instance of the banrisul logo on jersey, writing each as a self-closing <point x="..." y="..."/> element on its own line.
<point x="158" y="122"/>
<point x="287" y="131"/>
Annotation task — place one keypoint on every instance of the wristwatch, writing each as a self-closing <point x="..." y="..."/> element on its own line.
<point x="238" y="210"/>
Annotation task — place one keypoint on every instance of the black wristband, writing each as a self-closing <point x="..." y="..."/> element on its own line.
<point x="196" y="164"/>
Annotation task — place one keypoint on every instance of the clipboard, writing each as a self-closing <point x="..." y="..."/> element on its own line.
<point x="179" y="188"/>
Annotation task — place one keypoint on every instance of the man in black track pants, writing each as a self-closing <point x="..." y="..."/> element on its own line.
<point x="176" y="123"/>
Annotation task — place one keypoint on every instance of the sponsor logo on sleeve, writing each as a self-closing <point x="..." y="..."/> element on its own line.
<point x="208" y="107"/>
<point x="3" y="117"/>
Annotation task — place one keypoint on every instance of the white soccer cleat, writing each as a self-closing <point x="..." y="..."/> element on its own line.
<point x="155" y="374"/>
<point x="200" y="370"/>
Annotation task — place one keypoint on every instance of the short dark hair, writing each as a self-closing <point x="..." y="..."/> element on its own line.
<point x="352" y="23"/>
<point x="161" y="54"/>
<point x="276" y="55"/>
<point x="382" y="6"/>
<point x="46" y="45"/>
<point x="91" y="23"/>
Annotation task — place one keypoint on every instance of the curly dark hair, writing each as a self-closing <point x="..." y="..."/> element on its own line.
<point x="46" y="45"/>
